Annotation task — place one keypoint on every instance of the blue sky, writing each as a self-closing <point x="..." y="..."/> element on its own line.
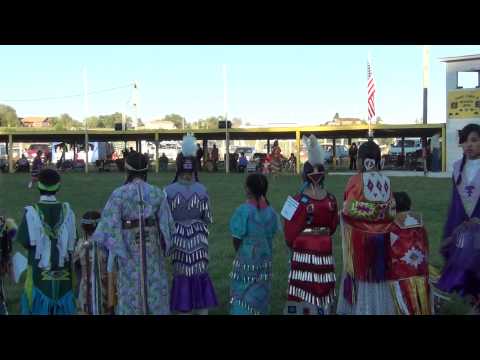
<point x="266" y="84"/>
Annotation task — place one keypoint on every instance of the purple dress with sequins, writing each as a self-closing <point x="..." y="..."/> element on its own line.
<point x="461" y="240"/>
<point x="192" y="288"/>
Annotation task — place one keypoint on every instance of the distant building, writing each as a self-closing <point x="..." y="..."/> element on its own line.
<point x="160" y="124"/>
<point x="345" y="122"/>
<point x="35" y="121"/>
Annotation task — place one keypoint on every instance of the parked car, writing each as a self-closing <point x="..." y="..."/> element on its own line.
<point x="341" y="151"/>
<point x="410" y="146"/>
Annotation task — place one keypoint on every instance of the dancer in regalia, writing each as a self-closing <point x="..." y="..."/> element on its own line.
<point x="49" y="234"/>
<point x="192" y="289"/>
<point x="276" y="159"/>
<point x="37" y="166"/>
<point x="8" y="229"/>
<point x="253" y="227"/>
<point x="311" y="288"/>
<point x="461" y="238"/>
<point x="408" y="260"/>
<point x="93" y="294"/>
<point x="136" y="227"/>
<point x="368" y="211"/>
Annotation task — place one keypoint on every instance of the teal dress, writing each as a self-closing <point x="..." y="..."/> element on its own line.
<point x="251" y="278"/>
<point x="47" y="292"/>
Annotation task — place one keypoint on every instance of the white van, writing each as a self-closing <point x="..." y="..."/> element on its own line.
<point x="410" y="146"/>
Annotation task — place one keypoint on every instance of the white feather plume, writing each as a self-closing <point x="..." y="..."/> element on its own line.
<point x="189" y="145"/>
<point x="314" y="150"/>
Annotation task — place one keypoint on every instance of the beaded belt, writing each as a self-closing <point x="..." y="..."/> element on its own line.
<point x="316" y="231"/>
<point x="132" y="224"/>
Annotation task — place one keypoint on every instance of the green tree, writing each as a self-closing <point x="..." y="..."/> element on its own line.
<point x="210" y="123"/>
<point x="336" y="116"/>
<point x="8" y="117"/>
<point x="378" y="120"/>
<point x="107" y="121"/>
<point x="176" y="119"/>
<point x="63" y="122"/>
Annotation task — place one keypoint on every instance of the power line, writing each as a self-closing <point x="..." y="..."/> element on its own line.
<point x="66" y="96"/>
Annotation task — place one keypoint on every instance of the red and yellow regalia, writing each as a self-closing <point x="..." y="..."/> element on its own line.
<point x="408" y="265"/>
<point x="367" y="214"/>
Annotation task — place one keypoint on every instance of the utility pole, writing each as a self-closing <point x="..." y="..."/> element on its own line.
<point x="426" y="65"/>
<point x="135" y="100"/>
<point x="426" y="70"/>
<point x="225" y="110"/>
<point x="85" y="96"/>
<point x="85" y="104"/>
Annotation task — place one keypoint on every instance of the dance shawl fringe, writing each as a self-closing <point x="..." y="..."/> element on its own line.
<point x="40" y="304"/>
<point x="366" y="258"/>
<point x="411" y="296"/>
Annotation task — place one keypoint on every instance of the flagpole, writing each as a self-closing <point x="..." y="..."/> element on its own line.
<point x="369" y="63"/>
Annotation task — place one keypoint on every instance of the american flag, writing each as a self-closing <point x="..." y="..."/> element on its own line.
<point x="370" y="91"/>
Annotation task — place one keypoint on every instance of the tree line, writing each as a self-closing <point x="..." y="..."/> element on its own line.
<point x="9" y="118"/>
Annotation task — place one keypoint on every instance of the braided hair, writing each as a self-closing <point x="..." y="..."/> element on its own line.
<point x="258" y="186"/>
<point x="462" y="137"/>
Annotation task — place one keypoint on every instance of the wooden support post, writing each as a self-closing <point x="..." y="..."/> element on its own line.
<point x="403" y="153"/>
<point x="86" y="153"/>
<point x="334" y="153"/>
<point x="156" y="153"/>
<point x="10" y="153"/>
<point x="297" y="143"/>
<point x="444" y="148"/>
<point x="268" y="146"/>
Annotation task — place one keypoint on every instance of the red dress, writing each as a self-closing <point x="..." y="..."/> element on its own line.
<point x="308" y="234"/>
<point x="408" y="265"/>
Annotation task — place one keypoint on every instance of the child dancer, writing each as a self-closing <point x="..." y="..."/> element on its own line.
<point x="408" y="260"/>
<point x="253" y="227"/>
<point x="93" y="296"/>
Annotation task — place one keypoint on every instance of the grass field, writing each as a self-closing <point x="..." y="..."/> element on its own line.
<point x="88" y="192"/>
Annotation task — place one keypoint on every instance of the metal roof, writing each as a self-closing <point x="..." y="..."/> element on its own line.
<point x="460" y="58"/>
<point x="281" y="133"/>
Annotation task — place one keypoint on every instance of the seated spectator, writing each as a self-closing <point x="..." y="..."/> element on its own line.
<point x="242" y="163"/>
<point x="163" y="162"/>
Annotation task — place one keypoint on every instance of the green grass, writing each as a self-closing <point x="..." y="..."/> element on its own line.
<point x="88" y="192"/>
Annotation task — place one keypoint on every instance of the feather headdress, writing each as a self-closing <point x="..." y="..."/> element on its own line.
<point x="189" y="145"/>
<point x="314" y="150"/>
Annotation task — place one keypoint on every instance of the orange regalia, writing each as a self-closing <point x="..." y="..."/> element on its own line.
<point x="367" y="214"/>
<point x="408" y="265"/>
<point x="309" y="233"/>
